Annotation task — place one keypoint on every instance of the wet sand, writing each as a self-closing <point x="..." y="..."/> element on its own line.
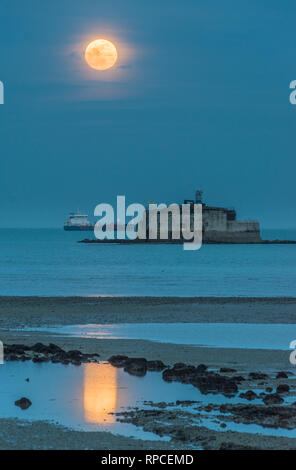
<point x="36" y="311"/>
<point x="23" y="435"/>
<point x="39" y="435"/>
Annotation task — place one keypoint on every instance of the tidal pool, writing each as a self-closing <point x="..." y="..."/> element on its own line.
<point x="86" y="397"/>
<point x="83" y="397"/>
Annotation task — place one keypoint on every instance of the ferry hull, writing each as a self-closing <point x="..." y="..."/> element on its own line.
<point x="78" y="228"/>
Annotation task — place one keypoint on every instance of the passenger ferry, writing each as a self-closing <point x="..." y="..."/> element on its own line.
<point x="78" y="222"/>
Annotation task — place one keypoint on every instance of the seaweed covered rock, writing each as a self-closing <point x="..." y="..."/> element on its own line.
<point x="136" y="366"/>
<point x="249" y="395"/>
<point x="283" y="388"/>
<point x="155" y="365"/>
<point x="273" y="399"/>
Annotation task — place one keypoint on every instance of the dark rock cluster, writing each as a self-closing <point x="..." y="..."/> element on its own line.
<point x="137" y="365"/>
<point x="266" y="416"/>
<point x="249" y="395"/>
<point x="42" y="353"/>
<point x="200" y="377"/>
<point x="282" y="375"/>
<point x="227" y="370"/>
<point x="273" y="399"/>
<point x="282" y="388"/>
<point x="257" y="376"/>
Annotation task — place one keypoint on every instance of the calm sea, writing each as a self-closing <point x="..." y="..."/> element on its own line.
<point x="50" y="262"/>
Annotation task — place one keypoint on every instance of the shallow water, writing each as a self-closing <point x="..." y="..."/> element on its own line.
<point x="50" y="262"/>
<point x="80" y="398"/>
<point x="84" y="397"/>
<point x="220" y="335"/>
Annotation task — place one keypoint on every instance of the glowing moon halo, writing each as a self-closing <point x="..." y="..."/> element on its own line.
<point x="101" y="54"/>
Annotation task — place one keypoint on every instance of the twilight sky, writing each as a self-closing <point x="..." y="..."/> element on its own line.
<point x="198" y="99"/>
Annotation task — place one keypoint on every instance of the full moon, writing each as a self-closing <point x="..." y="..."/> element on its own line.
<point x="101" y="54"/>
